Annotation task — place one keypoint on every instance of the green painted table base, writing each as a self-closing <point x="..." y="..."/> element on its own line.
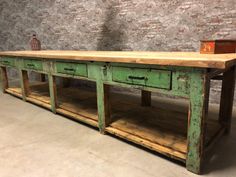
<point x="180" y="82"/>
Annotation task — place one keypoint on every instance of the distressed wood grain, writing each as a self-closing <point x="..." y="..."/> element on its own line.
<point x="187" y="59"/>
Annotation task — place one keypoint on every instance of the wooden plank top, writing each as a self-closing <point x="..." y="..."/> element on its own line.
<point x="187" y="59"/>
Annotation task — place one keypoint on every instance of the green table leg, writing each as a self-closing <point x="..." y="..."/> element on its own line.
<point x="53" y="92"/>
<point x="103" y="105"/>
<point x="199" y="95"/>
<point x="4" y="79"/>
<point x="24" y="80"/>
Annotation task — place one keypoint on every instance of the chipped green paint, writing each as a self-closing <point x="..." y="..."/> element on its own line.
<point x="196" y="121"/>
<point x="179" y="85"/>
<point x="180" y="82"/>
<point x="52" y="86"/>
<point x="33" y="64"/>
<point x="72" y="68"/>
<point x="101" y="106"/>
<point x="7" y="61"/>
<point x="145" y="77"/>
<point x="174" y="81"/>
<point x="94" y="70"/>
<point x="22" y="85"/>
<point x="101" y="101"/>
<point x="52" y="90"/>
<point x="1" y="80"/>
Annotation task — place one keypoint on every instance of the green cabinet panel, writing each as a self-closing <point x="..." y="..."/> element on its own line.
<point x="33" y="64"/>
<point x="77" y="69"/>
<point x="180" y="82"/>
<point x="8" y="61"/>
<point x="144" y="77"/>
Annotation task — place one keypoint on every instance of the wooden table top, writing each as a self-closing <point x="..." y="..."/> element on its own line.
<point x="187" y="59"/>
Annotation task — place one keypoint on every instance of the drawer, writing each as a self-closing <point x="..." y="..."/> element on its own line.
<point x="144" y="77"/>
<point x="33" y="64"/>
<point x="8" y="61"/>
<point x="78" y="69"/>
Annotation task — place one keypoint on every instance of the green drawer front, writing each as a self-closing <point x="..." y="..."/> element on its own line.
<point x="33" y="64"/>
<point x="77" y="69"/>
<point x="144" y="77"/>
<point x="8" y="61"/>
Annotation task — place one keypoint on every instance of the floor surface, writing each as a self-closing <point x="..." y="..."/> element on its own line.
<point x="38" y="143"/>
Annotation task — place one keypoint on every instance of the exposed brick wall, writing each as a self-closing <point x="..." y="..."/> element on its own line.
<point x="159" y="25"/>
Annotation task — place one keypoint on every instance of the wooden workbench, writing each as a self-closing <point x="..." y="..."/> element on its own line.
<point x="185" y="137"/>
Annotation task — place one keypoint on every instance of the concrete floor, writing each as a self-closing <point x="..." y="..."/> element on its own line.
<point x="35" y="142"/>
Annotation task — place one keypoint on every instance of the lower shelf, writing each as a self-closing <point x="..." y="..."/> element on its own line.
<point x="39" y="94"/>
<point x="169" y="144"/>
<point x="16" y="91"/>
<point x="78" y="104"/>
<point x="159" y="128"/>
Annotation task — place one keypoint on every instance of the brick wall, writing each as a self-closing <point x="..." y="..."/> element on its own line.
<point x="159" y="25"/>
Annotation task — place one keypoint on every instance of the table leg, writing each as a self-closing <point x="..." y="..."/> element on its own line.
<point x="4" y="79"/>
<point x="227" y="98"/>
<point x="65" y="82"/>
<point x="24" y="84"/>
<point x="146" y="98"/>
<point x="199" y="96"/>
<point x="103" y="102"/>
<point x="53" y="92"/>
<point x="42" y="78"/>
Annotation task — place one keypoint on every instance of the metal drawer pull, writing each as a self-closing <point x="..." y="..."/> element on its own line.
<point x="137" y="78"/>
<point x="30" y="65"/>
<point x="69" y="69"/>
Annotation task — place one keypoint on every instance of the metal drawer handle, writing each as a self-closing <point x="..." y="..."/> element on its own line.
<point x="137" y="78"/>
<point x="69" y="69"/>
<point x="30" y="65"/>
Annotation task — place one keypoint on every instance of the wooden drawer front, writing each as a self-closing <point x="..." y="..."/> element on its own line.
<point x="8" y="61"/>
<point x="77" y="69"/>
<point x="33" y="64"/>
<point x="145" y="77"/>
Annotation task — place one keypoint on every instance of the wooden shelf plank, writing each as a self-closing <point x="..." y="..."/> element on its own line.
<point x="14" y="91"/>
<point x="152" y="127"/>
